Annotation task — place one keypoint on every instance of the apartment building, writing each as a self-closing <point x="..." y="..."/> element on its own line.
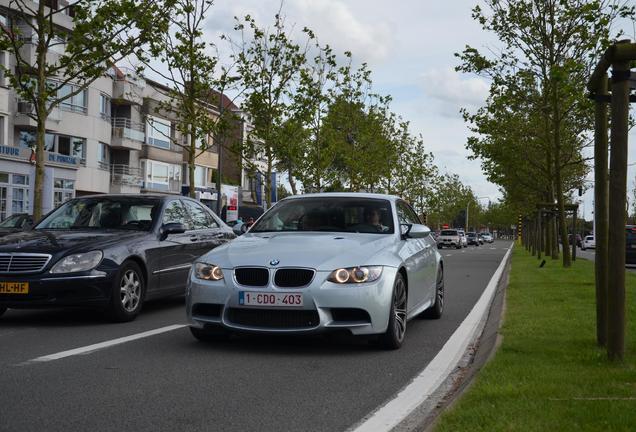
<point x="110" y="138"/>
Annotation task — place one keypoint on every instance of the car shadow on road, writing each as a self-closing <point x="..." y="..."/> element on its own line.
<point x="71" y="317"/>
<point x="306" y="345"/>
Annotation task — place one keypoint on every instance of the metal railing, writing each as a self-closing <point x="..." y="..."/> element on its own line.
<point x="129" y="75"/>
<point x="125" y="128"/>
<point x="126" y="175"/>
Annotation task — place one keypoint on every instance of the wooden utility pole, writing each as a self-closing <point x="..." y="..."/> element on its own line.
<point x="601" y="215"/>
<point x="618" y="56"/>
<point x="617" y="200"/>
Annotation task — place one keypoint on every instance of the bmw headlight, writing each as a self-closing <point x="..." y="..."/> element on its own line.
<point x="78" y="262"/>
<point x="355" y="275"/>
<point x="207" y="271"/>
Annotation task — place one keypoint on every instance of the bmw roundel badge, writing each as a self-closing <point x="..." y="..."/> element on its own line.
<point x="274" y="262"/>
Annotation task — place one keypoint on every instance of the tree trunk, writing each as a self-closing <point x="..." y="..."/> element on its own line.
<point x="41" y="115"/>
<point x="292" y="182"/>
<point x="191" y="163"/>
<point x="557" y="174"/>
<point x="38" y="187"/>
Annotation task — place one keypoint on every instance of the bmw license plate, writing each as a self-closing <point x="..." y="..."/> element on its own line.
<point x="251" y="298"/>
<point x="14" y="287"/>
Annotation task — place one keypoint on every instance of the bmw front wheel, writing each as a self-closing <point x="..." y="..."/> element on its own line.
<point x="396" y="330"/>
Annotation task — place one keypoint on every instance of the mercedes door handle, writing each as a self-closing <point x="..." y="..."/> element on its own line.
<point x="194" y="238"/>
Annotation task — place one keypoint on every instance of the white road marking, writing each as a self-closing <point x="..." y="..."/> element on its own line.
<point x="492" y="248"/>
<point x="428" y="380"/>
<point x="90" y="348"/>
<point x="449" y="254"/>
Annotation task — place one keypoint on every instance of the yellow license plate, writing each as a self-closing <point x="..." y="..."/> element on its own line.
<point x="14" y="287"/>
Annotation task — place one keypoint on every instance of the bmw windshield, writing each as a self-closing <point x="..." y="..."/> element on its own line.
<point x="333" y="214"/>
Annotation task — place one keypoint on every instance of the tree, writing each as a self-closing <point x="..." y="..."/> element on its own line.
<point x="195" y="93"/>
<point x="50" y="57"/>
<point x="268" y="65"/>
<point x="549" y="45"/>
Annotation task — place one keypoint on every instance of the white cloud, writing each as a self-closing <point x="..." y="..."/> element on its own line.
<point x="336" y="24"/>
<point x="451" y="87"/>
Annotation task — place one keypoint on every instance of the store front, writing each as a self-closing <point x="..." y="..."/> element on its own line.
<point x="17" y="180"/>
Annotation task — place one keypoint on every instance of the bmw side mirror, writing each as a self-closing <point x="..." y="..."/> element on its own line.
<point x="171" y="228"/>
<point x="418" y="231"/>
<point x="239" y="229"/>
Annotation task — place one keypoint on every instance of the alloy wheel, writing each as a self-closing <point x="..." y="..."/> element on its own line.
<point x="130" y="290"/>
<point x="399" y="309"/>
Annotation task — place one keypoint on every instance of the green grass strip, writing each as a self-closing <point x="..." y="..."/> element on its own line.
<point x="548" y="374"/>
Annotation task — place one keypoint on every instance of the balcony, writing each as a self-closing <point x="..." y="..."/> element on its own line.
<point x="128" y="86"/>
<point x="127" y="134"/>
<point x="172" y="187"/>
<point x="125" y="175"/>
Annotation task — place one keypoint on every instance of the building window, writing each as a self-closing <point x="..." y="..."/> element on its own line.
<point x="63" y="190"/>
<point x="61" y="144"/>
<point x="75" y="103"/>
<point x="158" y="132"/>
<point x="160" y="173"/>
<point x="103" y="156"/>
<point x="3" y="64"/>
<point x="4" y="19"/>
<point x="104" y="106"/>
<point x="199" y="176"/>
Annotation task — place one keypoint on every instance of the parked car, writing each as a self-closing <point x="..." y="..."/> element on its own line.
<point x="579" y="240"/>
<point x="462" y="238"/>
<point x="318" y="263"/>
<point x="15" y="223"/>
<point x="472" y="238"/>
<point x="449" y="238"/>
<point x="630" y="244"/>
<point x="109" y="251"/>
<point x="588" y="243"/>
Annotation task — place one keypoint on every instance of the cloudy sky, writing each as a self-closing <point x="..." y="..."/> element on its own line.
<point x="409" y="45"/>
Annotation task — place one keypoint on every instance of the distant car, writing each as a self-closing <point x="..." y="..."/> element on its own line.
<point x="579" y="240"/>
<point x="15" y="223"/>
<point x="472" y="238"/>
<point x="588" y="243"/>
<point x="630" y="244"/>
<point x="449" y="238"/>
<point x="111" y="252"/>
<point x="487" y="237"/>
<point x="462" y="238"/>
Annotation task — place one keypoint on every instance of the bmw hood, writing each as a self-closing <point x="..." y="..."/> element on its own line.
<point x="321" y="251"/>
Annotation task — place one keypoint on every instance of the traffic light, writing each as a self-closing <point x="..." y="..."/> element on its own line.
<point x="425" y="218"/>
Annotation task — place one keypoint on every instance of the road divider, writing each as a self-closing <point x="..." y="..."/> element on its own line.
<point x="106" y="344"/>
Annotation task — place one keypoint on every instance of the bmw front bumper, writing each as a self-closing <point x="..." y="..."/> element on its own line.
<point x="361" y="309"/>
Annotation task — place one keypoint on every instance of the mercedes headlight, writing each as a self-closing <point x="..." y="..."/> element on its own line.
<point x="207" y="271"/>
<point x="355" y="274"/>
<point x="78" y="262"/>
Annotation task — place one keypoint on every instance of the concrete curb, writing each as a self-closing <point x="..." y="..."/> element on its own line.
<point x="427" y="385"/>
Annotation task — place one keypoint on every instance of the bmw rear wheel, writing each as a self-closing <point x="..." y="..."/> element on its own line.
<point x="128" y="293"/>
<point x="435" y="311"/>
<point x="396" y="330"/>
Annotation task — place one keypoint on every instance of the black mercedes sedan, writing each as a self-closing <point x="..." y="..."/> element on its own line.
<point x="109" y="251"/>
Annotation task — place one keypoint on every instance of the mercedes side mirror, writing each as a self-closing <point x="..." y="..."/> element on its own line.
<point x="171" y="228"/>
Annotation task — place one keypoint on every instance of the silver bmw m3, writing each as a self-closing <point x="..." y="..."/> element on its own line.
<point x="363" y="263"/>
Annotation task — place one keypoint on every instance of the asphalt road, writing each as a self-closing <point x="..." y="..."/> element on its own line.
<point x="171" y="382"/>
<point x="589" y="255"/>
